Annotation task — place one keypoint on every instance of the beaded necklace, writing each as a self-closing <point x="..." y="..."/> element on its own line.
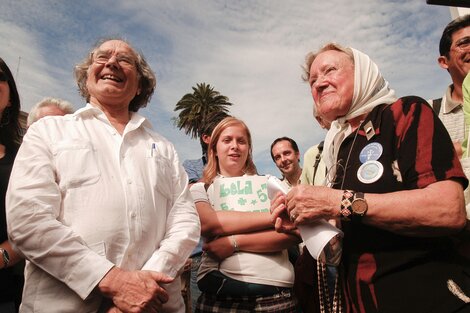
<point x="335" y="306"/>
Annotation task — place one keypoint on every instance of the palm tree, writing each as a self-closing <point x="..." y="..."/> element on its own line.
<point x="197" y="106"/>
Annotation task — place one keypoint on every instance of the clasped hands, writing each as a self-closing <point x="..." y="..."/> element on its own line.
<point x="134" y="291"/>
<point x="304" y="204"/>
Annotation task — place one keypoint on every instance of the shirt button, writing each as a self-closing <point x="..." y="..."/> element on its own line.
<point x="129" y="182"/>
<point x="133" y="215"/>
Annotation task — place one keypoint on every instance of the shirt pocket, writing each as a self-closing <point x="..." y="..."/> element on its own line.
<point x="76" y="163"/>
<point x="163" y="183"/>
<point x="98" y="247"/>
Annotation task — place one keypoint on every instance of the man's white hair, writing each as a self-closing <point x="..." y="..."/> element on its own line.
<point x="63" y="105"/>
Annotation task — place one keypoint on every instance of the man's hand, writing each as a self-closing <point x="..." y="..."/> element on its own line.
<point x="135" y="291"/>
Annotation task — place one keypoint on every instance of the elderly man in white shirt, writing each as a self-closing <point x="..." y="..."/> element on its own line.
<point x="98" y="202"/>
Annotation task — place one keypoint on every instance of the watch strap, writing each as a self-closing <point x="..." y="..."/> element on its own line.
<point x="5" y="257"/>
<point x="346" y="202"/>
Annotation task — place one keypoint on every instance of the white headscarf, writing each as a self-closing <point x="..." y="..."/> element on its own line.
<point x="370" y="90"/>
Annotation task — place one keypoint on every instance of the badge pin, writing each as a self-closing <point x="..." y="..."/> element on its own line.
<point x="371" y="152"/>
<point x="369" y="130"/>
<point x="370" y="172"/>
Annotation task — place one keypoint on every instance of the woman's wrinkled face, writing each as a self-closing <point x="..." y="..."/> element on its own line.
<point x="332" y="84"/>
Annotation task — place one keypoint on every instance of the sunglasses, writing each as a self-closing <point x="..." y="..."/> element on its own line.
<point x="3" y="77"/>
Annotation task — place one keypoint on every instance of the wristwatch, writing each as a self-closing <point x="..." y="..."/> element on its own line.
<point x="5" y="257"/>
<point x="353" y="204"/>
<point x="359" y="204"/>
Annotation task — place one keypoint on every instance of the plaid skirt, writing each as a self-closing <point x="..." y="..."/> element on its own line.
<point x="283" y="302"/>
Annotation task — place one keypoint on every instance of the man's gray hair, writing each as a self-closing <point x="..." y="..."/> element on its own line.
<point x="63" y="105"/>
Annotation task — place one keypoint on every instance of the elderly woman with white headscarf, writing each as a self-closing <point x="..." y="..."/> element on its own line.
<point x="395" y="185"/>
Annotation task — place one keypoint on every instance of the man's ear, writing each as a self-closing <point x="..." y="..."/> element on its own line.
<point x="206" y="138"/>
<point x="442" y="60"/>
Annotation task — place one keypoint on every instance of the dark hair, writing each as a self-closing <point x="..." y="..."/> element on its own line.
<point x="213" y="119"/>
<point x="10" y="128"/>
<point x="446" y="39"/>
<point x="147" y="79"/>
<point x="292" y="143"/>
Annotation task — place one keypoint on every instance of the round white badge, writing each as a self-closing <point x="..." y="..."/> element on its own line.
<point x="370" y="172"/>
<point x="371" y="152"/>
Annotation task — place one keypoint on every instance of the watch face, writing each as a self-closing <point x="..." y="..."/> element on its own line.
<point x="359" y="206"/>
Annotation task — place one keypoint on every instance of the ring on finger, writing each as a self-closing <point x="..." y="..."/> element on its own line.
<point x="293" y="216"/>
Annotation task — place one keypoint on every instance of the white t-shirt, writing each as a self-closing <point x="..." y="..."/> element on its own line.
<point x="261" y="268"/>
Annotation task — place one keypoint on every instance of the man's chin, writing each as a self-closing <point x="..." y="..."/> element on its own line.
<point x="285" y="173"/>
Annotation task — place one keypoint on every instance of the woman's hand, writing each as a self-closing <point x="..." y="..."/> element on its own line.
<point x="219" y="248"/>
<point x="307" y="204"/>
<point x="280" y="216"/>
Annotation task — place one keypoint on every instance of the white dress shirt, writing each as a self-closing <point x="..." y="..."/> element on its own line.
<point x="82" y="198"/>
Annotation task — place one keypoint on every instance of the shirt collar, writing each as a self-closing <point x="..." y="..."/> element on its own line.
<point x="449" y="104"/>
<point x="135" y="121"/>
<point x="288" y="182"/>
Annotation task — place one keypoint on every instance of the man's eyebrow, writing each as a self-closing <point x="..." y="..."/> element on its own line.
<point x="463" y="39"/>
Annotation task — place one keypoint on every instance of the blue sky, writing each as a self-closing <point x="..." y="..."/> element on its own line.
<point x="251" y="51"/>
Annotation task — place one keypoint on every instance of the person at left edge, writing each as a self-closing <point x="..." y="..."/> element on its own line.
<point x="11" y="265"/>
<point x="105" y="223"/>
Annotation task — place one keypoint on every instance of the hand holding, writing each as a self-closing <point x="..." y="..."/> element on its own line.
<point x="279" y="215"/>
<point x="307" y="204"/>
<point x="135" y="291"/>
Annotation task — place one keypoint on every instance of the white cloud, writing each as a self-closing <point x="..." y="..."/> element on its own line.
<point x="250" y="51"/>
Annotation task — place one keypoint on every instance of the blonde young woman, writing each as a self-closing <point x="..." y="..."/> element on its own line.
<point x="245" y="265"/>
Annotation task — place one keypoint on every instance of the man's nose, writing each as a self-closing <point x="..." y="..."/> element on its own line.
<point x="112" y="61"/>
